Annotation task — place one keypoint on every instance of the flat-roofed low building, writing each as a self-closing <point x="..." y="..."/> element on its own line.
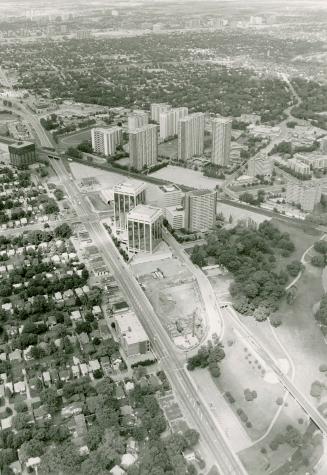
<point x="144" y="228"/>
<point x="176" y="217"/>
<point x="22" y="154"/>
<point x="127" y="195"/>
<point x="131" y="333"/>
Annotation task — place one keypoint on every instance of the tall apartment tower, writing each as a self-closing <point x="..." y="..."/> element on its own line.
<point x="143" y="147"/>
<point x="157" y="109"/>
<point x="127" y="196"/>
<point x="191" y="136"/>
<point x="221" y="140"/>
<point x="137" y="119"/>
<point x="105" y="141"/>
<point x="169" y="121"/>
<point x="200" y="210"/>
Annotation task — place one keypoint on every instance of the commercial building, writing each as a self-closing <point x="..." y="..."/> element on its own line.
<point x="315" y="162"/>
<point x="144" y="228"/>
<point x="143" y="147"/>
<point x="169" y="121"/>
<point x="137" y="119"/>
<point x="127" y="196"/>
<point x="261" y="165"/>
<point x="221" y="141"/>
<point x="306" y="195"/>
<point x="106" y="140"/>
<point x="22" y="154"/>
<point x="131" y="333"/>
<point x="157" y="109"/>
<point x="200" y="210"/>
<point x="176" y="217"/>
<point x="191" y="136"/>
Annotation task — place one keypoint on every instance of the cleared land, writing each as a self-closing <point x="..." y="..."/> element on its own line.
<point x="176" y="299"/>
<point x="187" y="177"/>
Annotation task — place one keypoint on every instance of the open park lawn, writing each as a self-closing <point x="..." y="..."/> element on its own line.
<point x="243" y="369"/>
<point x="299" y="331"/>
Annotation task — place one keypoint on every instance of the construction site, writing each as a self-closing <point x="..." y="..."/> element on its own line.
<point x="175" y="296"/>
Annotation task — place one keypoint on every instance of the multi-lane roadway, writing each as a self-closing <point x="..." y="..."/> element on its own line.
<point x="213" y="441"/>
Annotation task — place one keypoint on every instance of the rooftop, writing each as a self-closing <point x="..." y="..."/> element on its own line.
<point x="144" y="213"/>
<point x="20" y="145"/>
<point x="130" y="187"/>
<point x="107" y="130"/>
<point x="169" y="188"/>
<point x="130" y="327"/>
<point x="222" y="120"/>
<point x="144" y="127"/>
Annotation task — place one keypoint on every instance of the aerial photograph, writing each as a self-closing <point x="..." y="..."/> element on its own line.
<point x="163" y="237"/>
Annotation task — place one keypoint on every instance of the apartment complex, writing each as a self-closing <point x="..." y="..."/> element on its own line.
<point x="294" y="165"/>
<point x="306" y="195"/>
<point x="221" y="141"/>
<point x="168" y="195"/>
<point x="106" y="140"/>
<point x="131" y="333"/>
<point x="22" y="154"/>
<point x="315" y="162"/>
<point x="137" y="119"/>
<point x="261" y="165"/>
<point x="169" y="121"/>
<point x="200" y="210"/>
<point x="191" y="136"/>
<point x="127" y="196"/>
<point x="157" y="109"/>
<point x="144" y="228"/>
<point x="143" y="147"/>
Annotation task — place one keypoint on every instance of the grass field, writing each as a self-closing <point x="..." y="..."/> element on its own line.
<point x="75" y="139"/>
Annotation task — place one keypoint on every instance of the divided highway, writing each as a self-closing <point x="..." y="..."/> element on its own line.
<point x="212" y="439"/>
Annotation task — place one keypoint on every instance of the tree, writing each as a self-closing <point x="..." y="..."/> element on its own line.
<point x="318" y="260"/>
<point x="321" y="247"/>
<point x="63" y="231"/>
<point x="294" y="268"/>
<point x="50" y="397"/>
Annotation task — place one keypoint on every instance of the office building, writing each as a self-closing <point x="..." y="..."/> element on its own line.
<point x="144" y="228"/>
<point x="137" y="119"/>
<point x="127" y="196"/>
<point x="176" y="217"/>
<point x="22" y="154"/>
<point x="261" y="165"/>
<point x="143" y="147"/>
<point x="305" y="195"/>
<point x="169" y="121"/>
<point x="157" y="109"/>
<point x="106" y="140"/>
<point x="131" y="334"/>
<point x="200" y="210"/>
<point x="221" y="141"/>
<point x="191" y="136"/>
